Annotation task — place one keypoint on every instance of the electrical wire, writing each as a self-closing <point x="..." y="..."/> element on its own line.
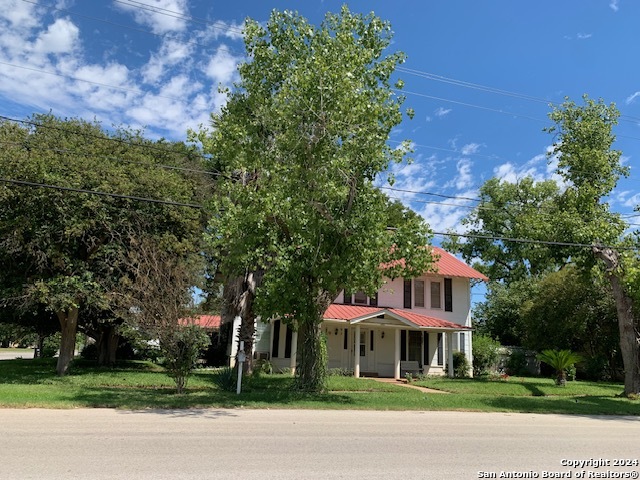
<point x="99" y="193"/>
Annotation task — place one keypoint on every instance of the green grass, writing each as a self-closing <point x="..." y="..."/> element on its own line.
<point x="141" y="385"/>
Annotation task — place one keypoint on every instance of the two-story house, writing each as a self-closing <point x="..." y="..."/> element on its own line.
<point x="409" y="325"/>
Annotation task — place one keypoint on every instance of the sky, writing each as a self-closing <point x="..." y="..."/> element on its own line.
<point x="479" y="75"/>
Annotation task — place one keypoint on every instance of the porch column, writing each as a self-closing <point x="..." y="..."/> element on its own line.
<point x="356" y="360"/>
<point x="449" y="354"/>
<point x="294" y="351"/>
<point x="396" y="370"/>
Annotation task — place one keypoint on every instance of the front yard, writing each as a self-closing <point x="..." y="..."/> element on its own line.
<point x="32" y="383"/>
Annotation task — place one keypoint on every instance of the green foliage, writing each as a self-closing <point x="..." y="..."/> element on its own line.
<point x="485" y="354"/>
<point x="66" y="251"/>
<point x="461" y="365"/>
<point x="560" y="361"/>
<point x="226" y="378"/>
<point x="50" y="346"/>
<point x="516" y="364"/>
<point x="300" y="142"/>
<point x="181" y="351"/>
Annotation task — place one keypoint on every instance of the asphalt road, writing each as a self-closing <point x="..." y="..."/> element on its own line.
<point x="304" y="444"/>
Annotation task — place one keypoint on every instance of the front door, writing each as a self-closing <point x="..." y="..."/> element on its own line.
<point x="367" y="350"/>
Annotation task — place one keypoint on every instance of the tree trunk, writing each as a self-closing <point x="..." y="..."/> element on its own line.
<point x="239" y="295"/>
<point x="628" y="324"/>
<point x="311" y="372"/>
<point x="68" y="327"/>
<point x="107" y="345"/>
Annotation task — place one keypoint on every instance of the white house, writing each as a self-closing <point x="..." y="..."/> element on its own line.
<point x="409" y="325"/>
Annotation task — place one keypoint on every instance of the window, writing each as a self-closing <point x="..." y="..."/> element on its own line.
<point x="371" y="340"/>
<point x="418" y="292"/>
<point x="440" y="349"/>
<point x="373" y="301"/>
<point x="407" y="294"/>
<point x="363" y="339"/>
<point x="435" y="295"/>
<point x="425" y="348"/>
<point x="461" y="345"/>
<point x="346" y="298"/>
<point x="276" y="339"/>
<point x="360" y="298"/>
<point x="403" y="345"/>
<point x="345" y="344"/>
<point x="448" y="295"/>
<point x="287" y="343"/>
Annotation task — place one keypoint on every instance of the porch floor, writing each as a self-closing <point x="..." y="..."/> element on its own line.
<point x="403" y="383"/>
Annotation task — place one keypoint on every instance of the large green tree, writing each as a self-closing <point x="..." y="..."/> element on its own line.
<point x="577" y="219"/>
<point x="64" y="249"/>
<point x="300" y="143"/>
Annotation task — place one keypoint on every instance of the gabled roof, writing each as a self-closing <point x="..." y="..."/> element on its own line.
<point x="205" y="321"/>
<point x="355" y="313"/>
<point x="449" y="266"/>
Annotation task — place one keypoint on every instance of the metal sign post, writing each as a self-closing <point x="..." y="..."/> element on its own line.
<point x="240" y="360"/>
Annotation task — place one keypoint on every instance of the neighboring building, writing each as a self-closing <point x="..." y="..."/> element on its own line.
<point x="410" y="325"/>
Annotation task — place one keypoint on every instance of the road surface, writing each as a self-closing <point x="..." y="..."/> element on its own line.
<point x="307" y="444"/>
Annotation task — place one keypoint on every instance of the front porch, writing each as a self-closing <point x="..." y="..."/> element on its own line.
<point x="378" y="342"/>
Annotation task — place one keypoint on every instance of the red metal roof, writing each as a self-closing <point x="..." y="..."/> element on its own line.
<point x="353" y="312"/>
<point x="349" y="312"/>
<point x="450" y="266"/>
<point x="425" y="320"/>
<point x="204" y="321"/>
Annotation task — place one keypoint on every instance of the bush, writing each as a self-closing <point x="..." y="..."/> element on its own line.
<point x="460" y="365"/>
<point x="225" y="379"/>
<point x="517" y="363"/>
<point x="50" y="346"/>
<point x="485" y="354"/>
<point x="181" y="350"/>
<point x="90" y="351"/>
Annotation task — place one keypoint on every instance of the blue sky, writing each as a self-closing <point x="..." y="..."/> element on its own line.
<point x="157" y="64"/>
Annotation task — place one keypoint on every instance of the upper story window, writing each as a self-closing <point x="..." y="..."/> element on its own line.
<point x="418" y="291"/>
<point x="448" y="295"/>
<point x="360" y="298"/>
<point x="436" y="301"/>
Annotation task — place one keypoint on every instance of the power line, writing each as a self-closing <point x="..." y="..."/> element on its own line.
<point x="531" y="241"/>
<point x="100" y="84"/>
<point x="110" y="139"/>
<point x="117" y="159"/>
<point x="431" y="194"/>
<point x="99" y="193"/>
<point x="196" y="206"/>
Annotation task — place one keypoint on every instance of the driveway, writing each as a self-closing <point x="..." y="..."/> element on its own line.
<point x="306" y="444"/>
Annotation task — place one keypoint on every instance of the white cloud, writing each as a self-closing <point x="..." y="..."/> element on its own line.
<point x="583" y="36"/>
<point x="442" y="112"/>
<point x="470" y="148"/>
<point x="464" y="179"/>
<point x="223" y="66"/>
<point x="19" y="14"/>
<point x="232" y="31"/>
<point x="162" y="16"/>
<point x="614" y="5"/>
<point x="632" y="97"/>
<point x="172" y="52"/>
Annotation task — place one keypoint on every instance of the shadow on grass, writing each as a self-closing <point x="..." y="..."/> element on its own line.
<point x="31" y="371"/>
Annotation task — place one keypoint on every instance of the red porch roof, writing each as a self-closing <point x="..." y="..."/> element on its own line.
<point x="204" y="321"/>
<point x="349" y="313"/>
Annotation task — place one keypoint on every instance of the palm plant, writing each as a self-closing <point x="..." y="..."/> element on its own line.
<point x="560" y="361"/>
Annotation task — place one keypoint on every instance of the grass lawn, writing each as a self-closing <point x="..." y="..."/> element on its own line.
<point x="139" y="385"/>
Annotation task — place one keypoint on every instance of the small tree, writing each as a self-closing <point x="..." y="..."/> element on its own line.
<point x="560" y="361"/>
<point x="486" y="352"/>
<point x="159" y="304"/>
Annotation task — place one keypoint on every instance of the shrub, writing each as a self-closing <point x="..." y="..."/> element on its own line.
<point x="181" y="350"/>
<point x="340" y="372"/>
<point x="561" y="361"/>
<point x="460" y="365"/>
<point x="485" y="354"/>
<point x="90" y="351"/>
<point x="225" y="379"/>
<point x="50" y="346"/>
<point x="517" y="363"/>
